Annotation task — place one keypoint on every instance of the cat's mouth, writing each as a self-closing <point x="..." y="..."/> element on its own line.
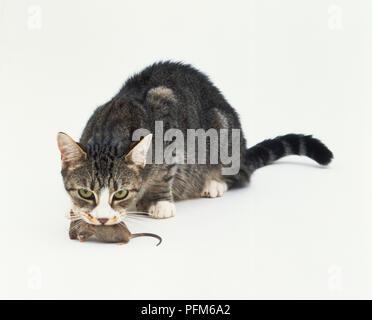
<point x="90" y="219"/>
<point x="102" y="221"/>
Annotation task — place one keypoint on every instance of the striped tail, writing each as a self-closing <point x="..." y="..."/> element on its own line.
<point x="271" y="150"/>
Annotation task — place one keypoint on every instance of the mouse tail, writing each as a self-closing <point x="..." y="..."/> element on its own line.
<point x="270" y="150"/>
<point x="136" y="235"/>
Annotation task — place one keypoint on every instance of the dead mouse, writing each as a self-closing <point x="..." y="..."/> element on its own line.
<point x="117" y="233"/>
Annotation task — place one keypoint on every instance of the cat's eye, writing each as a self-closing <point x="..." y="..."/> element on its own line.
<point x="120" y="195"/>
<point x="86" y="194"/>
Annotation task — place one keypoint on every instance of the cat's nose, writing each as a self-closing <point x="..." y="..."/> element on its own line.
<point x="102" y="220"/>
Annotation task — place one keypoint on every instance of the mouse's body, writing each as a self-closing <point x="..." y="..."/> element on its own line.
<point x="118" y="233"/>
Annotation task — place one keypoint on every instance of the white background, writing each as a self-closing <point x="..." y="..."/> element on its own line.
<point x="298" y="231"/>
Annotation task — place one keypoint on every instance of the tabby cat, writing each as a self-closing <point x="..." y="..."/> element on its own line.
<point x="106" y="173"/>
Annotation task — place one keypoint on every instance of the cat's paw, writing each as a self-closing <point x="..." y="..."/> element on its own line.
<point x="214" y="189"/>
<point x="162" y="210"/>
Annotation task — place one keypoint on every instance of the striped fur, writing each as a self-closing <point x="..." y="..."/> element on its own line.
<point x="270" y="150"/>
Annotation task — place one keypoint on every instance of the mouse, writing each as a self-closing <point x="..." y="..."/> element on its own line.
<point x="118" y="233"/>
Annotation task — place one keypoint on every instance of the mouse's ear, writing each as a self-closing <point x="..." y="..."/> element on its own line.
<point x="71" y="152"/>
<point x="138" y="154"/>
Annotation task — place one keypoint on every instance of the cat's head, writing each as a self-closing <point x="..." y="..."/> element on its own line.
<point x="102" y="185"/>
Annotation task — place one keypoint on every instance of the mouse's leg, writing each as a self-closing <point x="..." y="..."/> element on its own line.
<point x="122" y="242"/>
<point x="81" y="237"/>
<point x="84" y="232"/>
<point x="84" y="235"/>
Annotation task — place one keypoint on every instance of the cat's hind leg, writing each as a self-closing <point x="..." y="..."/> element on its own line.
<point x="199" y="181"/>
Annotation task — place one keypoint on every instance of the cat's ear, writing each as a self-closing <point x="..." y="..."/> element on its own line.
<point x="71" y="152"/>
<point x="138" y="154"/>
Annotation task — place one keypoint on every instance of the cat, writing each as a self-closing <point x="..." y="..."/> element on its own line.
<point x="106" y="173"/>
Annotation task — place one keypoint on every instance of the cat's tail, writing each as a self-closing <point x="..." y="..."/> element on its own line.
<point x="271" y="150"/>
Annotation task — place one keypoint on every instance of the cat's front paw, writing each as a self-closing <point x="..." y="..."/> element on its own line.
<point x="162" y="210"/>
<point x="214" y="189"/>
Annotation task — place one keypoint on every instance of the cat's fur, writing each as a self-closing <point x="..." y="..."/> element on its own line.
<point x="183" y="98"/>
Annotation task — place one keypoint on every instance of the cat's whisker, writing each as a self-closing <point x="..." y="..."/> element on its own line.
<point x="74" y="218"/>
<point x="131" y="216"/>
<point x="139" y="213"/>
<point x="69" y="215"/>
<point x="134" y="218"/>
<point x="122" y="225"/>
